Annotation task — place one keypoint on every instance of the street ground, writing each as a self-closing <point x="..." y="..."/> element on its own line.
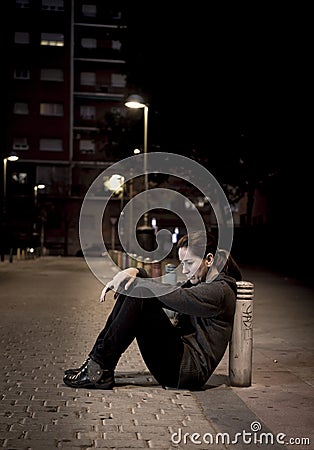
<point x="50" y="317"/>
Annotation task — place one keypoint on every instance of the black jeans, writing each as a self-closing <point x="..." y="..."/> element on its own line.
<point x="145" y="320"/>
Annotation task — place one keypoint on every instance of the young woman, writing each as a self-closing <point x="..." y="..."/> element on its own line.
<point x="182" y="353"/>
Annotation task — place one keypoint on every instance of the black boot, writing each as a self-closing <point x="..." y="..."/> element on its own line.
<point x="91" y="376"/>
<point x="77" y="369"/>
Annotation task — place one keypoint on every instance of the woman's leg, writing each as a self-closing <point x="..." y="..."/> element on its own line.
<point x="142" y="318"/>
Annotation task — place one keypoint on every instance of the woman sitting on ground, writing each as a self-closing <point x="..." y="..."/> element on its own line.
<point x="179" y="353"/>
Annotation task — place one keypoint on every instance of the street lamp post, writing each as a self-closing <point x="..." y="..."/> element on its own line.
<point x="137" y="102"/>
<point x="4" y="200"/>
<point x="145" y="234"/>
<point x="5" y="162"/>
<point x="36" y="187"/>
<point x="41" y="217"/>
<point x="115" y="184"/>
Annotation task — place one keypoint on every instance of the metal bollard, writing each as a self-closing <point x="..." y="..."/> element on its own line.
<point x="170" y="274"/>
<point x="241" y="343"/>
<point x="148" y="266"/>
<point x="140" y="262"/>
<point x="119" y="258"/>
<point x="125" y="260"/>
<point x="133" y="260"/>
<point x="115" y="256"/>
<point x="156" y="269"/>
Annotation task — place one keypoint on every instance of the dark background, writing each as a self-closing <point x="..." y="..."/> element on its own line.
<point x="229" y="86"/>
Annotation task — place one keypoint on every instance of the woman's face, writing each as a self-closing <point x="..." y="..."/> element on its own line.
<point x="194" y="267"/>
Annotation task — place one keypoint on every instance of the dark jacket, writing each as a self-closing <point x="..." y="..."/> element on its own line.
<point x="204" y="317"/>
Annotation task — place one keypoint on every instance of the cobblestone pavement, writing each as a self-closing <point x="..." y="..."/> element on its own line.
<point x="50" y="317"/>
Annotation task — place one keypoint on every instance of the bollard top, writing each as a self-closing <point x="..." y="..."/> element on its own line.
<point x="170" y="267"/>
<point x="245" y="290"/>
<point x="245" y="284"/>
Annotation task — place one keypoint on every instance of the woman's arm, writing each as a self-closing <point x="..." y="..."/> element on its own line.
<point x="124" y="278"/>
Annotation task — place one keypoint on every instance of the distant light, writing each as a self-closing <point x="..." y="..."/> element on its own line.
<point x="200" y="203"/>
<point x="176" y="230"/>
<point x="115" y="183"/>
<point x="13" y="158"/>
<point x="174" y="238"/>
<point x="41" y="186"/>
<point x="136" y="151"/>
<point x="154" y="222"/>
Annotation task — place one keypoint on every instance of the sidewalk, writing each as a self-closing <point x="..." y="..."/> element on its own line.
<point x="50" y="319"/>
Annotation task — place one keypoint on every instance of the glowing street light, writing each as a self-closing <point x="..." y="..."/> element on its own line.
<point x="115" y="183"/>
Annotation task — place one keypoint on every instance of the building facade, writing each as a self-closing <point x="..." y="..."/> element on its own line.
<point x="64" y="115"/>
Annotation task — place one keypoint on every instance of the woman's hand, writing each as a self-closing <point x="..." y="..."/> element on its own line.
<point x="114" y="284"/>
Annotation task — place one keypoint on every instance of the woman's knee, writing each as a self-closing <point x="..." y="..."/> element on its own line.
<point x="141" y="292"/>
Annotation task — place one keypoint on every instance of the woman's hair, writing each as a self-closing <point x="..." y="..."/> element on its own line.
<point x="201" y="243"/>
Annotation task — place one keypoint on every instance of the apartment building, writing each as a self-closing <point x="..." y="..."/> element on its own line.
<point x="63" y="88"/>
<point x="63" y="115"/>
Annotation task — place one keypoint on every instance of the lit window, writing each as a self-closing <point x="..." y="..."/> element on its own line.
<point x="20" y="143"/>
<point x="21" y="37"/>
<point x="51" y="109"/>
<point x="116" y="45"/>
<point x="52" y="5"/>
<point x="118" y="80"/>
<point x="88" y="43"/>
<point x="89" y="10"/>
<point x="87" y="146"/>
<point x="21" y="108"/>
<point x="22" y="3"/>
<point x="51" y="74"/>
<point x="88" y="112"/>
<point x="88" y="79"/>
<point x="21" y="74"/>
<point x="52" y="39"/>
<point x="51" y="145"/>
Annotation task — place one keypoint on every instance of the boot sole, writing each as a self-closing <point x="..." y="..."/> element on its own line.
<point x="90" y="385"/>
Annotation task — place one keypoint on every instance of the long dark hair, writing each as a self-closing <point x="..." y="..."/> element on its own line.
<point x="201" y="243"/>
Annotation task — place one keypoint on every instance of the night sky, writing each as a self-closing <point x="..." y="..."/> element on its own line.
<point x="226" y="82"/>
<point x="229" y="85"/>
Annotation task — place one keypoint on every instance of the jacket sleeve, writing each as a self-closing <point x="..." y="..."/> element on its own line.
<point x="203" y="300"/>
